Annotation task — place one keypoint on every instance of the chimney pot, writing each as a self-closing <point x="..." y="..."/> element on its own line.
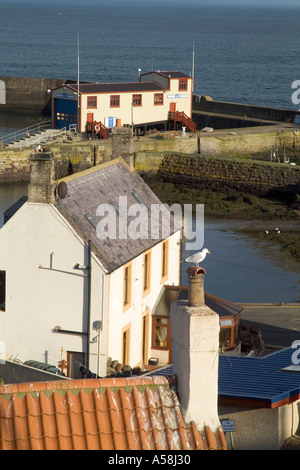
<point x="196" y="294"/>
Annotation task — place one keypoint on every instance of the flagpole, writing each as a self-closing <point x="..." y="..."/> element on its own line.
<point x="78" y="66"/>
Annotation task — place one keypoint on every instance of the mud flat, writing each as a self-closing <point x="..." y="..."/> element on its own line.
<point x="258" y="217"/>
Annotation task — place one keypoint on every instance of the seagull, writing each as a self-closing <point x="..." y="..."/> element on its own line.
<point x="197" y="257"/>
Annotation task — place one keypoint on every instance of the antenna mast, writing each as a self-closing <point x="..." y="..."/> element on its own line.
<point x="193" y="67"/>
<point x="78" y="67"/>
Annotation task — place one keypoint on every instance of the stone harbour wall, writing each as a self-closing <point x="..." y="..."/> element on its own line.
<point x="260" y="178"/>
<point x="70" y="158"/>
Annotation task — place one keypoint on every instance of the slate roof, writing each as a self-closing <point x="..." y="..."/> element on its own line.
<point x="138" y="413"/>
<point x="170" y="73"/>
<point x="257" y="382"/>
<point x="104" y="185"/>
<point x="134" y="87"/>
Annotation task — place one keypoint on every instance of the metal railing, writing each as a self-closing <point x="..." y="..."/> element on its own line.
<point x="25" y="132"/>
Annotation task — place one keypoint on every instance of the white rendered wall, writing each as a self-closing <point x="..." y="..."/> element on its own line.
<point x="195" y="343"/>
<point x="38" y="251"/>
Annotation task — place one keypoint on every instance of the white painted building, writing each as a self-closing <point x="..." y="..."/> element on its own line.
<point x="159" y="99"/>
<point x="68" y="294"/>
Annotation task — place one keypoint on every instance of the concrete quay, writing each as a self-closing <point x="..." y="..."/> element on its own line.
<point x="279" y="324"/>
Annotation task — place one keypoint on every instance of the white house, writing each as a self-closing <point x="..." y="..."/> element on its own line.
<point x="158" y="99"/>
<point x="72" y="292"/>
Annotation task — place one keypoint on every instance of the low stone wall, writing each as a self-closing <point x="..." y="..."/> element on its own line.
<point x="70" y="158"/>
<point x="253" y="177"/>
<point x="149" y="152"/>
<point x="15" y="165"/>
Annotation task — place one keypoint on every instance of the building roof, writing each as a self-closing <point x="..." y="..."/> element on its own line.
<point x="138" y="413"/>
<point x="103" y="186"/>
<point x="133" y="87"/>
<point x="168" y="294"/>
<point x="8" y="213"/>
<point x="169" y="74"/>
<point x="266" y="382"/>
<point x="258" y="382"/>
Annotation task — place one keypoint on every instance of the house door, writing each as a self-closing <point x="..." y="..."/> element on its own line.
<point x="75" y="360"/>
<point x="126" y="346"/>
<point x="90" y="117"/>
<point x="172" y="107"/>
<point x="145" y="338"/>
<point x="65" y="113"/>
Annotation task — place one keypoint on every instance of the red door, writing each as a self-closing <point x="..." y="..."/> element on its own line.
<point x="90" y="117"/>
<point x="172" y="107"/>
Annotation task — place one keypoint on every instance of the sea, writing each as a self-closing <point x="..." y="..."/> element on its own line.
<point x="237" y="53"/>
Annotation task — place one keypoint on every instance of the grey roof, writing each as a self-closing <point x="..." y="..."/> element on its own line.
<point x="14" y="208"/>
<point x="169" y="73"/>
<point x="134" y="87"/>
<point x="105" y="184"/>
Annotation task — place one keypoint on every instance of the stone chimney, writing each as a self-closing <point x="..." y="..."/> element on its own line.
<point x="195" y="346"/>
<point x="122" y="144"/>
<point x="42" y="184"/>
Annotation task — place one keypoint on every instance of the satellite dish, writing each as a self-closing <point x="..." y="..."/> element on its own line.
<point x="62" y="190"/>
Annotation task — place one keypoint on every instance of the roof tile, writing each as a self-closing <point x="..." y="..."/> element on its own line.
<point x="138" y="413"/>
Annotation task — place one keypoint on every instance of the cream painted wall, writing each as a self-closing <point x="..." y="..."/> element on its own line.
<point x="126" y="112"/>
<point x="132" y="317"/>
<point x="40" y="298"/>
<point x="146" y="113"/>
<point x="182" y="98"/>
<point x="261" y="429"/>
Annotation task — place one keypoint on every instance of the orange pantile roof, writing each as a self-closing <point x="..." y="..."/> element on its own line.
<point x="136" y="413"/>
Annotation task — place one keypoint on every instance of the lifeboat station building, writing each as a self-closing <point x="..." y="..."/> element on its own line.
<point x="161" y="100"/>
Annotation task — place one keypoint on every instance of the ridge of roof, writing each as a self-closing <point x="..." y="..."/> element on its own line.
<point x="135" y="413"/>
<point x="117" y="87"/>
<point x="94" y="169"/>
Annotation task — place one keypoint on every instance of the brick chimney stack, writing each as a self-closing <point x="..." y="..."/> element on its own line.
<point x="195" y="346"/>
<point x="122" y="144"/>
<point x="42" y="184"/>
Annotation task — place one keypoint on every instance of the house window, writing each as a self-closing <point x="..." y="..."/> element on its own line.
<point x="161" y="334"/>
<point x="126" y="345"/>
<point x="127" y="284"/>
<point x="228" y="333"/>
<point x="164" y="260"/>
<point x="92" y="102"/>
<point x="147" y="273"/>
<point x="137" y="100"/>
<point x="75" y="362"/>
<point x="158" y="99"/>
<point x="2" y="290"/>
<point x="115" y="101"/>
<point x="183" y="84"/>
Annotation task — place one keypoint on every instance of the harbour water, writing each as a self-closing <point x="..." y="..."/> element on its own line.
<point x="238" y="269"/>
<point x="242" y="54"/>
